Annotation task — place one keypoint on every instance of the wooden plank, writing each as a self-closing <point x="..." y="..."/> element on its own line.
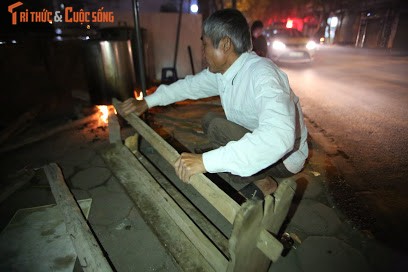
<point x="269" y="245"/>
<point x="245" y="255"/>
<point x="188" y="245"/>
<point x="277" y="207"/>
<point x="256" y="223"/>
<point x="199" y="219"/>
<point x="114" y="128"/>
<point x="222" y="202"/>
<point x="86" y="246"/>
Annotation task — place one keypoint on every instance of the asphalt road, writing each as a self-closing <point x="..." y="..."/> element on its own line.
<point x="358" y="99"/>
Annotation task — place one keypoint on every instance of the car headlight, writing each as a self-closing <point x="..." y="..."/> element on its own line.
<point x="311" y="45"/>
<point x="278" y="45"/>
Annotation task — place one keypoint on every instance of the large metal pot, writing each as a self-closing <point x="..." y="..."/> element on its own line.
<point x="110" y="70"/>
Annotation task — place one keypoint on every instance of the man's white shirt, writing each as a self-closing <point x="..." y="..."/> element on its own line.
<point x="255" y="94"/>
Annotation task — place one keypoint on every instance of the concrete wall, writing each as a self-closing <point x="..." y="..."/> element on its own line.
<point x="162" y="32"/>
<point x="347" y="32"/>
<point x="400" y="41"/>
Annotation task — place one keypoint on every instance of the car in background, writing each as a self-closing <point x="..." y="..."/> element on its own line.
<point x="288" y="45"/>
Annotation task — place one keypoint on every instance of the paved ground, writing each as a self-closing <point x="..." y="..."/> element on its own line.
<point x="324" y="240"/>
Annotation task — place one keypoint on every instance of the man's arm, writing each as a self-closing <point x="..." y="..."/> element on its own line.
<point x="198" y="86"/>
<point x="201" y="85"/>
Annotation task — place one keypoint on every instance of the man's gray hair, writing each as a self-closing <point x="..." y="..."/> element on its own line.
<point x="229" y="23"/>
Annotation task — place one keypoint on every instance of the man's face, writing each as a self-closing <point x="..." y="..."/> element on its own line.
<point x="215" y="57"/>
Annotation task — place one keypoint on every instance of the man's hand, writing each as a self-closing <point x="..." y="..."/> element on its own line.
<point x="189" y="164"/>
<point x="132" y="105"/>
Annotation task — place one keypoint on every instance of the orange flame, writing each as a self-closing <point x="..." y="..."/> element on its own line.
<point x="138" y="96"/>
<point x="104" y="113"/>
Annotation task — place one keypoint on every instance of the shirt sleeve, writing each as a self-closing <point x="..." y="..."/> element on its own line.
<point x="201" y="85"/>
<point x="270" y="141"/>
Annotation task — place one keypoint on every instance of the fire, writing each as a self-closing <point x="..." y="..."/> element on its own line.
<point x="104" y="113"/>
<point x="138" y="96"/>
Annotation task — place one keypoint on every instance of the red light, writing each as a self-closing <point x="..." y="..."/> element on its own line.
<point x="289" y="23"/>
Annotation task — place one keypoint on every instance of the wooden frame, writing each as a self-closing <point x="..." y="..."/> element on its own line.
<point x="89" y="253"/>
<point x="252" y="245"/>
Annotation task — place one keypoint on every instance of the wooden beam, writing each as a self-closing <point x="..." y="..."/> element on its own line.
<point x="114" y="128"/>
<point x="199" y="219"/>
<point x="222" y="202"/>
<point x="254" y="228"/>
<point x="86" y="246"/>
<point x="269" y="245"/>
<point x="245" y="255"/>
<point x="276" y="208"/>
<point x="192" y="250"/>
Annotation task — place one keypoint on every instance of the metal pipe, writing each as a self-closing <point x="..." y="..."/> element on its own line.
<point x="191" y="59"/>
<point x="139" y="46"/>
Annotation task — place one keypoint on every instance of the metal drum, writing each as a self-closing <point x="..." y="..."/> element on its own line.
<point x="110" y="70"/>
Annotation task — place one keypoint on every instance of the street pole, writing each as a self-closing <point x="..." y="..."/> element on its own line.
<point x="139" y="46"/>
<point x="178" y="34"/>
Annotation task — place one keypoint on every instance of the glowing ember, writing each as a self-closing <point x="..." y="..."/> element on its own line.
<point x="138" y="96"/>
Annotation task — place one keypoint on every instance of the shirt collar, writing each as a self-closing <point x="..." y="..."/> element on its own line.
<point x="233" y="70"/>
